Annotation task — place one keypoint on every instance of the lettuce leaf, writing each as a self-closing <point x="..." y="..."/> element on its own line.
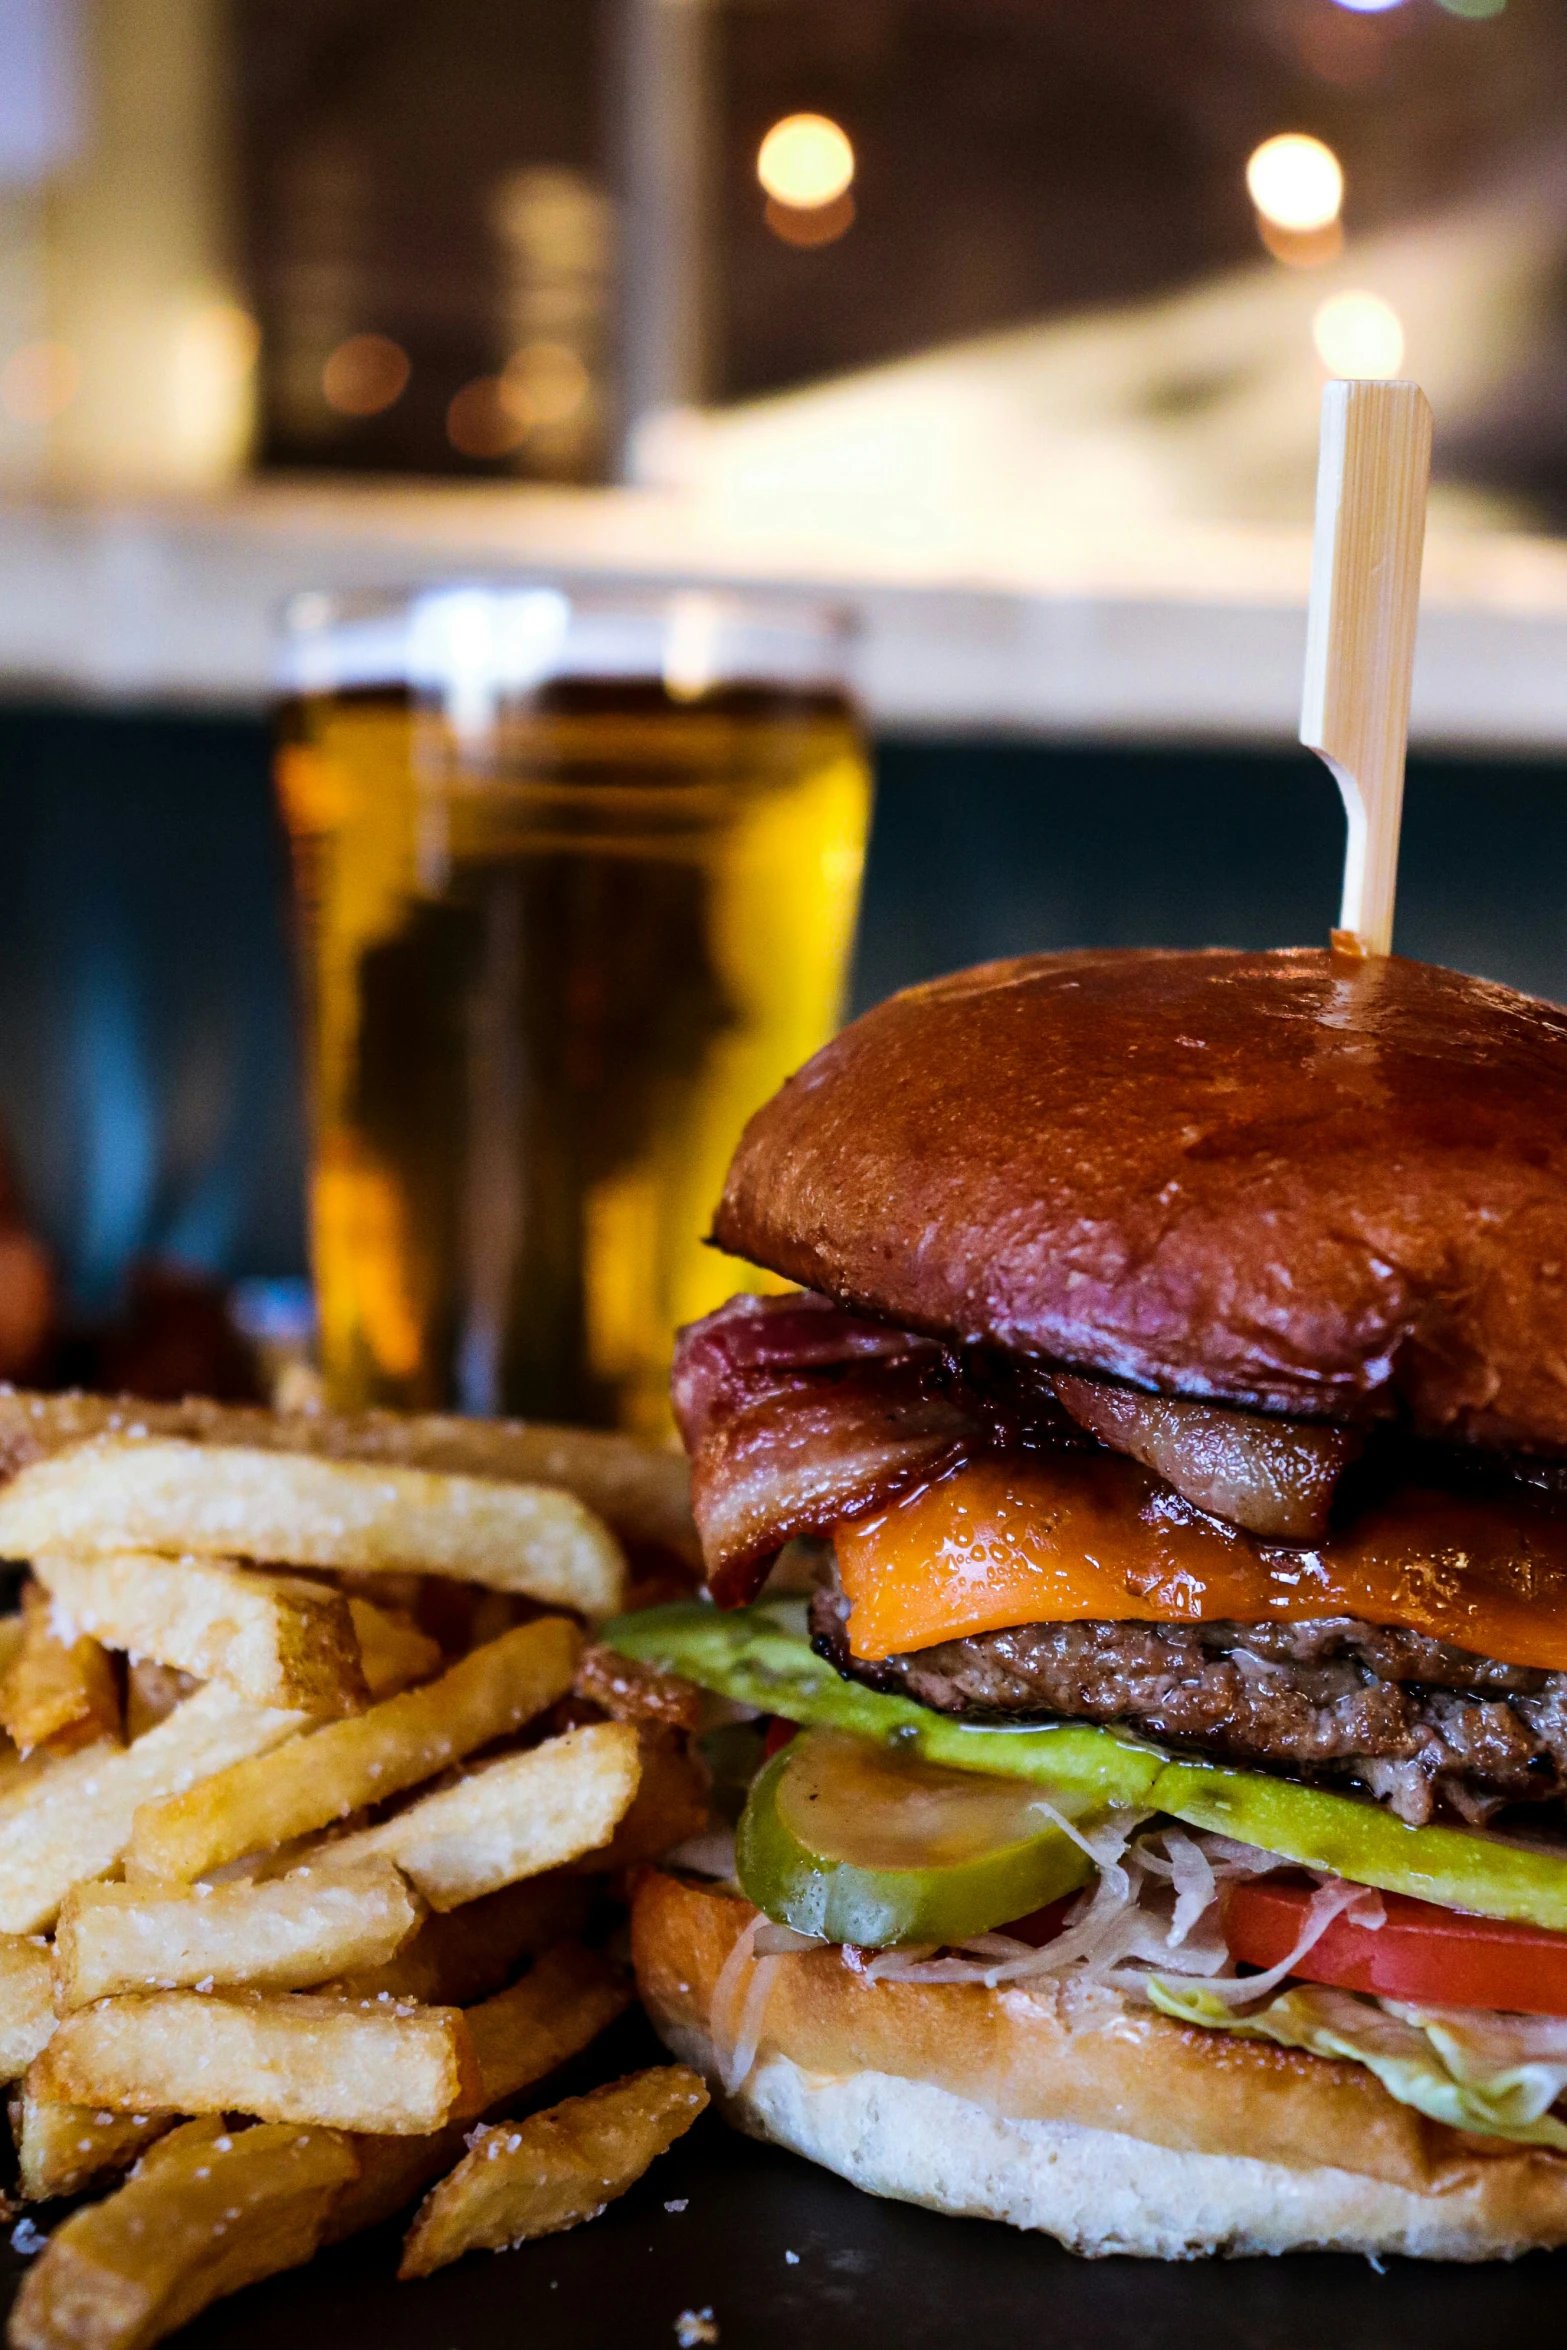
<point x="1499" y="2075"/>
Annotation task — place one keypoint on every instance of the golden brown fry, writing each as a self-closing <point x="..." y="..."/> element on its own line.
<point x="59" y="1688"/>
<point x="285" y="2057"/>
<point x="74" y="1822"/>
<point x="630" y="1691"/>
<point x="207" y="2212"/>
<point x="515" y="1818"/>
<point x="151" y="1694"/>
<point x="519" y="2038"/>
<point x="559" y="2168"/>
<point x="279" y="1935"/>
<point x="560" y="2006"/>
<point x="216" y="1501"/>
<point x="274" y="1638"/>
<point x="671" y="1805"/>
<point x="26" y="2002"/>
<point x="642" y="1490"/>
<point x="393" y="1652"/>
<point x="469" y="1952"/>
<point x="60" y="2149"/>
<point x="360" y="1761"/>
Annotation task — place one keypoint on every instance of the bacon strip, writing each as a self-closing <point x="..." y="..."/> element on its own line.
<point x="795" y="1415"/>
<point x="798" y="1415"/>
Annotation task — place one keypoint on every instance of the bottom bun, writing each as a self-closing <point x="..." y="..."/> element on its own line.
<point x="1111" y="2130"/>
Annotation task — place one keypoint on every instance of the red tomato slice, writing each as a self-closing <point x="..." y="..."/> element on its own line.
<point x="1430" y="1956"/>
<point x="779" y="1733"/>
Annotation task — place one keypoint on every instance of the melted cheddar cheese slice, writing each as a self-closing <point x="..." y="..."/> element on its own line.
<point x="1086" y="1538"/>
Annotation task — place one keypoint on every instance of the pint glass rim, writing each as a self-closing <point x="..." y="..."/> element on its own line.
<point x="522" y="631"/>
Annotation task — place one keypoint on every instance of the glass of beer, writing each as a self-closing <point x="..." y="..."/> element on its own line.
<point x="576" y="879"/>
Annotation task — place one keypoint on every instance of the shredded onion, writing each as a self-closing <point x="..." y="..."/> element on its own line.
<point x="1153" y="1897"/>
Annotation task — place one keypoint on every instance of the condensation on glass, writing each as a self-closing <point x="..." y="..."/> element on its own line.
<point x="576" y="880"/>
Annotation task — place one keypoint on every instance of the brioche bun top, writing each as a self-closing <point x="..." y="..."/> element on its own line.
<point x="1288" y="1181"/>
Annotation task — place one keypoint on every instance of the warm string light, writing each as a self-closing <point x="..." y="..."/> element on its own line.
<point x="365" y="375"/>
<point x="806" y="167"/>
<point x="1296" y="182"/>
<point x="805" y="161"/>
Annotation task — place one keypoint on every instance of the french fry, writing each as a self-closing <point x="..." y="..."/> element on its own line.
<point x="553" y="2171"/>
<point x="276" y="1639"/>
<point x="279" y="1935"/>
<point x="519" y="2038"/>
<point x="363" y="1760"/>
<point x="516" y="1818"/>
<point x="73" y="1822"/>
<point x="393" y="1652"/>
<point x="216" y="1501"/>
<point x="671" y="1805"/>
<point x="282" y="2056"/>
<point x="469" y="1952"/>
<point x="642" y="1490"/>
<point x="26" y="2002"/>
<point x="208" y="2211"/>
<point x="560" y="2006"/>
<point x="59" y="1690"/>
<point x="60" y="2149"/>
<point x="151" y="1694"/>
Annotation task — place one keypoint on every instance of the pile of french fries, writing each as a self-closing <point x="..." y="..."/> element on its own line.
<point x="312" y="1780"/>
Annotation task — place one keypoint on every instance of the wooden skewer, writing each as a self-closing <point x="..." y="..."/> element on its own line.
<point x="1372" y="473"/>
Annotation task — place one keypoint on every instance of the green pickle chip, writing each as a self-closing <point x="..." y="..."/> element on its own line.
<point x="862" y="1843"/>
<point x="760" y="1657"/>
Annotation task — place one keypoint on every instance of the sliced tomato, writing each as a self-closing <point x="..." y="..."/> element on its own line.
<point x="1430" y="1956"/>
<point x="779" y="1732"/>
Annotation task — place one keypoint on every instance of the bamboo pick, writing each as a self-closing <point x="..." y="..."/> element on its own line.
<point x="1372" y="471"/>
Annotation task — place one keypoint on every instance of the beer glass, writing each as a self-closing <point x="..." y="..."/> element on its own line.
<point x="576" y="878"/>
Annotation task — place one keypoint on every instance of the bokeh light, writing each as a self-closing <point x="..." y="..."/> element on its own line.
<point x="39" y="382"/>
<point x="1295" y="181"/>
<point x="365" y="374"/>
<point x="811" y="225"/>
<point x="1368" y="7"/>
<point x="805" y="161"/>
<point x="1359" y="335"/>
<point x="480" y="421"/>
<point x="544" y="383"/>
<point x="1473" y="8"/>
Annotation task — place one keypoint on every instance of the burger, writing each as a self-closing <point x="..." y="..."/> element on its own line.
<point x="1136" y="1627"/>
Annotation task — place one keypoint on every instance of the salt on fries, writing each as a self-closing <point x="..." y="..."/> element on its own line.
<point x="276" y="1639"/>
<point x="485" y="1695"/>
<point x="514" y="1818"/>
<point x="287" y="2057"/>
<point x="209" y="2210"/>
<point x="536" y="2177"/>
<point x="281" y="1934"/>
<point x="212" y="1501"/>
<point x="294" y="1850"/>
<point x="641" y="1491"/>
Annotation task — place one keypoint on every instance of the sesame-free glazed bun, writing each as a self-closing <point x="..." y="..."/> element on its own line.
<point x="1290" y="1181"/>
<point x="1069" y="2112"/>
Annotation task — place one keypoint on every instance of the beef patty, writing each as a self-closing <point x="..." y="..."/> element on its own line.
<point x="1423" y="1727"/>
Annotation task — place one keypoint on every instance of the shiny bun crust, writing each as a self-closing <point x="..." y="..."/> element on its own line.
<point x="1114" y="2130"/>
<point x="1289" y="1181"/>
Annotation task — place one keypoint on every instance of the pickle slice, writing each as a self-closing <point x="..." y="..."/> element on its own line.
<point x="858" y="1843"/>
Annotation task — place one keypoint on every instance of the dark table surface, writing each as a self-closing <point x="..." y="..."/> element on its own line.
<point x="865" y="2272"/>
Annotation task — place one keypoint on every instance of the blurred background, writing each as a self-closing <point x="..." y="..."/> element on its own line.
<point x="1004" y="321"/>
